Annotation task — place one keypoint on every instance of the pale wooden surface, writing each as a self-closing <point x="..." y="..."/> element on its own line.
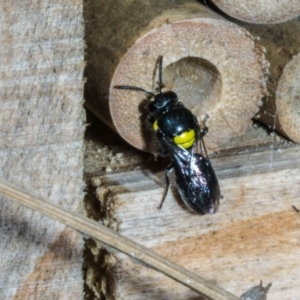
<point x="41" y="145"/>
<point x="114" y="240"/>
<point x="260" y="12"/>
<point x="253" y="236"/>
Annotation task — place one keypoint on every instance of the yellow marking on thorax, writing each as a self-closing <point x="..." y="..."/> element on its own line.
<point x="186" y="139"/>
<point x="155" y="125"/>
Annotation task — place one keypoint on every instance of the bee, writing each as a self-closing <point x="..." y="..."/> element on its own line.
<point x="179" y="134"/>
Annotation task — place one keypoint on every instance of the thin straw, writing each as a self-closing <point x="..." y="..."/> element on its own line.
<point x="116" y="241"/>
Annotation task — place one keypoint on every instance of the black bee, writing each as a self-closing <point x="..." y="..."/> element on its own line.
<point x="179" y="133"/>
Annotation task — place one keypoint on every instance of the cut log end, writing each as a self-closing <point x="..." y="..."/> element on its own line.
<point x="260" y="12"/>
<point x="214" y="67"/>
<point x="288" y="100"/>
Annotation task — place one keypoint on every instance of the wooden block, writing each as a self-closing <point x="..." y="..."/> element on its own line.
<point x="41" y="146"/>
<point x="253" y="236"/>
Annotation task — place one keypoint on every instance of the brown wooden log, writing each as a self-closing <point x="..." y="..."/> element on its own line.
<point x="215" y="67"/>
<point x="282" y="43"/>
<point x="41" y="136"/>
<point x="260" y="12"/>
<point x="288" y="99"/>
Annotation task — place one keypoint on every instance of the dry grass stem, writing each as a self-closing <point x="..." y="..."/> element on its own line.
<point x="115" y="240"/>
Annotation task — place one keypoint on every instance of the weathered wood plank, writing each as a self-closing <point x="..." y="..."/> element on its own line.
<point x="253" y="236"/>
<point x="41" y="138"/>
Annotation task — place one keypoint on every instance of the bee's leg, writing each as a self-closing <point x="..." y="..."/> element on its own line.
<point x="162" y="152"/>
<point x="203" y="132"/>
<point x="168" y="170"/>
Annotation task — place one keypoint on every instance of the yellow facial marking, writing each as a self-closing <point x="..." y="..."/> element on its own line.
<point x="186" y="139"/>
<point x="155" y="125"/>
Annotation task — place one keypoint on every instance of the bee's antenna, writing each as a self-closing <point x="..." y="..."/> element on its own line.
<point x="160" y="72"/>
<point x="128" y="87"/>
<point x="202" y="144"/>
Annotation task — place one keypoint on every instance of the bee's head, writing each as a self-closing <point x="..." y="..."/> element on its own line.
<point x="162" y="101"/>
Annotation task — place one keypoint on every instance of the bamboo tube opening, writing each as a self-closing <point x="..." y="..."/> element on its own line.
<point x="197" y="83"/>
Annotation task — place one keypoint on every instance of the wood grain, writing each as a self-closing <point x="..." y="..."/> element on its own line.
<point x="114" y="240"/>
<point x="253" y="236"/>
<point x="260" y="12"/>
<point x="41" y="138"/>
<point x="215" y="67"/>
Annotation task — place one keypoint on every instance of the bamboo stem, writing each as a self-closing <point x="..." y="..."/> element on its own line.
<point x="215" y="67"/>
<point x="260" y="12"/>
<point x="279" y="110"/>
<point x="287" y="99"/>
<point x="115" y="240"/>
